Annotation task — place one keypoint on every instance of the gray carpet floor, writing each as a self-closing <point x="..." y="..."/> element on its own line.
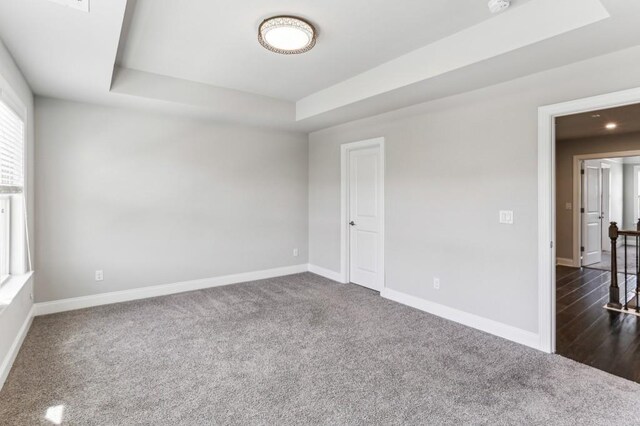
<point x="294" y="350"/>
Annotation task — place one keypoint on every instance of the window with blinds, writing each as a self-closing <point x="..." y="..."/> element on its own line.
<point x="11" y="151"/>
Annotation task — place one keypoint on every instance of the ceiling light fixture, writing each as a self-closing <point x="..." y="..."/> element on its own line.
<point x="287" y="35"/>
<point x="611" y="126"/>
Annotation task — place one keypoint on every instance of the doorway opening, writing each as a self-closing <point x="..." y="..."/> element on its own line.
<point x="605" y="190"/>
<point x="362" y="213"/>
<point x="597" y="159"/>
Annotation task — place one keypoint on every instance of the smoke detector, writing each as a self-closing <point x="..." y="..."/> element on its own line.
<point x="496" y="6"/>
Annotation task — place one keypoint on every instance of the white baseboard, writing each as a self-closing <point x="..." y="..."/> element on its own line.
<point x="564" y="262"/>
<point x="489" y="326"/>
<point x="64" y="305"/>
<point x="8" y="360"/>
<point x="480" y="323"/>
<point x="332" y="275"/>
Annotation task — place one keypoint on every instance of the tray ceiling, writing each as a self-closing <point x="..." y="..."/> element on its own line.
<point x="201" y="58"/>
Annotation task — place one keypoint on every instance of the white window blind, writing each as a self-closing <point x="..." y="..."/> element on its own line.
<point x="11" y="151"/>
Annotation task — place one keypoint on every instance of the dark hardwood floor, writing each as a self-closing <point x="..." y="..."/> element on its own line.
<point x="590" y="334"/>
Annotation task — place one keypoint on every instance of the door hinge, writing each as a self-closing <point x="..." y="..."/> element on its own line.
<point x="582" y="210"/>
<point x="581" y="249"/>
<point x="582" y="171"/>
<point x="551" y="245"/>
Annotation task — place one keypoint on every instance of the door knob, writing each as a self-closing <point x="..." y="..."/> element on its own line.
<point x="352" y="223"/>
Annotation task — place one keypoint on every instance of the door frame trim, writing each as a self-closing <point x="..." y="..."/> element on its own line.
<point x="606" y="201"/>
<point x="344" y="205"/>
<point x="547" y="200"/>
<point x="636" y="211"/>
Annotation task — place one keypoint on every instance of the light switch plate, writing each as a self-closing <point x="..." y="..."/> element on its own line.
<point x="568" y="206"/>
<point x="506" y="217"/>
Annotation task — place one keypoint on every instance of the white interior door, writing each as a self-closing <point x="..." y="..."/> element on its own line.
<point x="592" y="213"/>
<point x="365" y="217"/>
<point x="606" y="207"/>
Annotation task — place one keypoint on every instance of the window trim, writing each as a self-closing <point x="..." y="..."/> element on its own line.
<point x="5" y="258"/>
<point x="16" y="106"/>
<point x="19" y="252"/>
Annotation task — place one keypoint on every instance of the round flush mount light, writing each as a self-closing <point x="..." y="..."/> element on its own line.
<point x="287" y="35"/>
<point x="611" y="126"/>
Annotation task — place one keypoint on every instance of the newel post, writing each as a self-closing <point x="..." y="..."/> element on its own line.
<point x="614" y="290"/>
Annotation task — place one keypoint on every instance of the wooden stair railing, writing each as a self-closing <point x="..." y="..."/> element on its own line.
<point x="614" y="289"/>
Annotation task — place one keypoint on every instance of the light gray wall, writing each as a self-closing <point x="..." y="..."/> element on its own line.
<point x="14" y="314"/>
<point x="452" y="165"/>
<point x="565" y="151"/>
<point x="152" y="199"/>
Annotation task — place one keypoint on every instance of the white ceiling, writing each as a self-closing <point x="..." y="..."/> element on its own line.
<point x="61" y="51"/>
<point x="214" y="42"/>
<point x="201" y="57"/>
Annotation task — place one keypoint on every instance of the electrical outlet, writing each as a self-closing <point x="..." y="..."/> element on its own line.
<point x="568" y="206"/>
<point x="295" y="252"/>
<point x="436" y="283"/>
<point x="99" y="275"/>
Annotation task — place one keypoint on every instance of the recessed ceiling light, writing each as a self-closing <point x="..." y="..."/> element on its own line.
<point x="287" y="35"/>
<point x="611" y="126"/>
<point x="595" y="115"/>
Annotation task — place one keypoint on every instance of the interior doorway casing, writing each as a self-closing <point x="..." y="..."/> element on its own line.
<point x="606" y="204"/>
<point x="546" y="200"/>
<point x="345" y="149"/>
<point x="636" y="188"/>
